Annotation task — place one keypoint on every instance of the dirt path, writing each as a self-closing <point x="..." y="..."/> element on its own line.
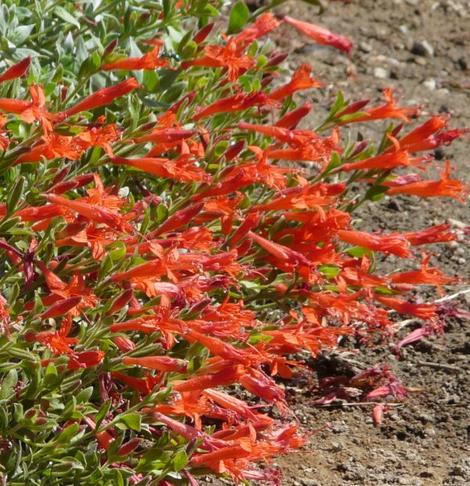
<point x="421" y="48"/>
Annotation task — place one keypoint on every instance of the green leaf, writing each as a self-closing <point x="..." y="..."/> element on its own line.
<point x="239" y="16"/>
<point x="67" y="434"/>
<point x="180" y="459"/>
<point x="102" y="412"/>
<point x="8" y="385"/>
<point x="358" y="251"/>
<point x="15" y="195"/>
<point x="85" y="394"/>
<point x="131" y="421"/>
<point x="375" y="193"/>
<point x="66" y="16"/>
<point x="330" y="271"/>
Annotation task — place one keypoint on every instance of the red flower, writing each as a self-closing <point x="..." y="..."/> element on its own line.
<point x="85" y="359"/>
<point x="150" y="60"/>
<point x="387" y="110"/>
<point x="102" y="97"/>
<point x="16" y="71"/>
<point x="393" y="243"/>
<point x="237" y="102"/>
<point x="385" y="161"/>
<point x="301" y="80"/>
<point x="320" y="34"/>
<point x="160" y="363"/>
<point x="434" y="234"/>
<point x="423" y="311"/>
<point x="445" y="186"/>
<point x="182" y="169"/>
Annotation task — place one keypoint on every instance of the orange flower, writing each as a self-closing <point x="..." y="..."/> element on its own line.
<point x="426" y="275"/>
<point x="394" y="243"/>
<point x="166" y="135"/>
<point x="387" y="110"/>
<point x="58" y="342"/>
<point x="86" y="359"/>
<point x="445" y="186"/>
<point x="61" y="307"/>
<point x="92" y="212"/>
<point x="177" y="220"/>
<point x="263" y="25"/>
<point x="30" y="111"/>
<point x="102" y="97"/>
<point x="16" y="71"/>
<point x="229" y="56"/>
<point x="301" y="80"/>
<point x="320" y="34"/>
<point x="182" y="169"/>
<point x="303" y="197"/>
<point x="434" y="234"/>
<point x="160" y="363"/>
<point x="292" y="118"/>
<point x="237" y="102"/>
<point x="227" y="376"/>
<point x="150" y="60"/>
<point x="423" y="311"/>
<point x="385" y="161"/>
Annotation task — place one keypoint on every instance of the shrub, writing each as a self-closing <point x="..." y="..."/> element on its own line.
<point x="166" y="256"/>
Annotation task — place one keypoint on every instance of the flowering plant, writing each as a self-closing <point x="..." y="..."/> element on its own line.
<point x="173" y="242"/>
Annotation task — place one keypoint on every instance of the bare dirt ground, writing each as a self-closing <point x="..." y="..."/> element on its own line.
<point x="421" y="48"/>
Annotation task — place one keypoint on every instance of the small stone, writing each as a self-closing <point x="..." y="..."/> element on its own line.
<point x="365" y="47"/>
<point x="439" y="154"/>
<point x="430" y="84"/>
<point x="310" y="482"/>
<point x="462" y="63"/>
<point x="380" y="73"/>
<point x="422" y="48"/>
<point x="404" y="29"/>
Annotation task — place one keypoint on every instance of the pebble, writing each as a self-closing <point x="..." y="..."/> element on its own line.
<point x="430" y="84"/>
<point x="310" y="482"/>
<point x="365" y="47"/>
<point x="462" y="63"/>
<point x="380" y="73"/>
<point x="422" y="48"/>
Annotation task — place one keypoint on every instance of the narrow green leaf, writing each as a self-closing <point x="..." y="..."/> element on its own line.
<point x="66" y="16"/>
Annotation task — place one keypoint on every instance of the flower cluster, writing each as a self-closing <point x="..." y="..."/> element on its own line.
<point x="172" y="243"/>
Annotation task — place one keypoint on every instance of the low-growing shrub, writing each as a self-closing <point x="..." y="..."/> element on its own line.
<point x="172" y="243"/>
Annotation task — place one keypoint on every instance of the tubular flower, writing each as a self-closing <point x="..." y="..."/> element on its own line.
<point x="160" y="363"/>
<point x="16" y="71"/>
<point x="434" y="234"/>
<point x="263" y="24"/>
<point x="423" y="311"/>
<point x="301" y="80"/>
<point x="150" y="60"/>
<point x="237" y="102"/>
<point x="444" y="187"/>
<point x="102" y="97"/>
<point x="94" y="213"/>
<point x="291" y="119"/>
<point x="30" y="111"/>
<point x="320" y="35"/>
<point x="394" y="243"/>
<point x="230" y="56"/>
<point x="388" y="110"/>
<point x="182" y="169"/>
<point x="426" y="275"/>
<point x="58" y="342"/>
<point x="387" y="161"/>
